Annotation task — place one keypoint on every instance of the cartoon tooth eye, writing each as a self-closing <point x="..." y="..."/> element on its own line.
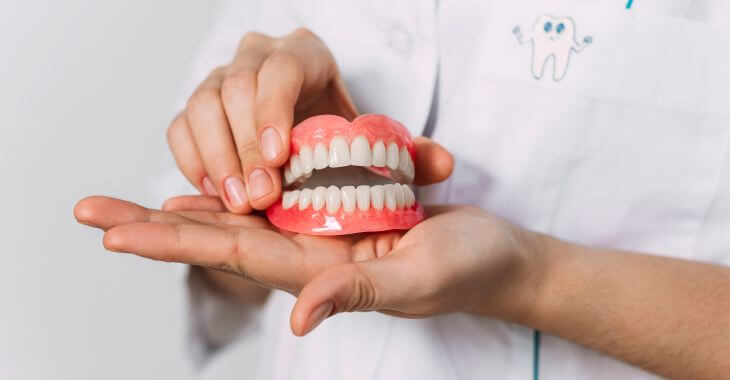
<point x="548" y="27"/>
<point x="560" y="28"/>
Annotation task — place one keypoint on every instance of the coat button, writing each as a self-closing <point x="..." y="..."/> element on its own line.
<point x="400" y="41"/>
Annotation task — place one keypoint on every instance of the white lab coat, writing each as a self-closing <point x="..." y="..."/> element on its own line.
<point x="624" y="147"/>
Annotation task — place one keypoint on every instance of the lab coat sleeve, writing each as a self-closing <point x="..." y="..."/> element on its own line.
<point x="214" y="321"/>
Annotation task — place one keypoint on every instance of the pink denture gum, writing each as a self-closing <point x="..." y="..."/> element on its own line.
<point x="348" y="177"/>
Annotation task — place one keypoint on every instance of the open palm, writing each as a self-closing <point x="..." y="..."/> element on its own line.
<point x="441" y="265"/>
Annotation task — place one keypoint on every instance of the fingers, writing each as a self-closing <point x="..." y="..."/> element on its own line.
<point x="433" y="164"/>
<point x="239" y="90"/>
<point x="105" y="213"/>
<point x="259" y="254"/>
<point x="187" y="157"/>
<point x="194" y="202"/>
<point x="368" y="285"/>
<point x="280" y="81"/>
<point x="210" y="129"/>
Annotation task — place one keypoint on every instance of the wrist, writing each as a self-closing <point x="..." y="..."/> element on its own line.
<point x="527" y="285"/>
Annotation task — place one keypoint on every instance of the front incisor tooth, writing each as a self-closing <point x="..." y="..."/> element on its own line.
<point x="289" y="199"/>
<point x="306" y="159"/>
<point x="339" y="154"/>
<point x="389" y="191"/>
<point x="318" y="198"/>
<point x="379" y="154"/>
<point x="305" y="198"/>
<point x="333" y="199"/>
<point x="400" y="200"/>
<point x="377" y="197"/>
<point x="392" y="156"/>
<point x="296" y="170"/>
<point x="349" y="196"/>
<point x="363" y="197"/>
<point x="320" y="156"/>
<point x="360" y="152"/>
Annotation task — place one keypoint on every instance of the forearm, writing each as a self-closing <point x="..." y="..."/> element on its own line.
<point x="666" y="315"/>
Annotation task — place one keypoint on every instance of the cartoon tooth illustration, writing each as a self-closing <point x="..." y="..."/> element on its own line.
<point x="552" y="37"/>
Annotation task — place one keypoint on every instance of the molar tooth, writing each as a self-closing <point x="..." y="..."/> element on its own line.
<point x="289" y="199"/>
<point x="411" y="196"/>
<point x="296" y="169"/>
<point x="305" y="198"/>
<point x="400" y="200"/>
<point x="392" y="156"/>
<point x="332" y="197"/>
<point x="379" y="154"/>
<point x="360" y="152"/>
<point x="288" y="177"/>
<point x="339" y="152"/>
<point x="318" y="198"/>
<point x="377" y="197"/>
<point x="320" y="156"/>
<point x="402" y="161"/>
<point x="363" y="197"/>
<point x="348" y="198"/>
<point x="389" y="191"/>
<point x="306" y="159"/>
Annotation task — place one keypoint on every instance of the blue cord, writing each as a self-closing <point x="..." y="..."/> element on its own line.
<point x="536" y="355"/>
<point x="628" y="5"/>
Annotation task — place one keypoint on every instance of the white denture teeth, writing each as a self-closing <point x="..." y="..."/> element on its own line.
<point x="379" y="154"/>
<point x="392" y="156"/>
<point x="360" y="153"/>
<point x="333" y="199"/>
<point x="296" y="170"/>
<point x="318" y="198"/>
<point x="376" y="197"/>
<point x="321" y="158"/>
<point x="339" y="153"/>
<point x="363" y="197"/>
<point x="289" y="199"/>
<point x="349" y="198"/>
<point x="306" y="159"/>
<point x="391" y="197"/>
<point x="305" y="198"/>
<point x="389" y="191"/>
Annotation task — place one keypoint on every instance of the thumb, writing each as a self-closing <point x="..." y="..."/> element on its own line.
<point x="433" y="162"/>
<point x="375" y="284"/>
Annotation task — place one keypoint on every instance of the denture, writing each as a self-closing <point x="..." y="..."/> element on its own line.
<point x="348" y="177"/>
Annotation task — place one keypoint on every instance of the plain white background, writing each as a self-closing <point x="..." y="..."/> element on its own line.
<point x="87" y="89"/>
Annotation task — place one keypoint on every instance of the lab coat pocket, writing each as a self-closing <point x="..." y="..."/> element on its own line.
<point x="626" y="118"/>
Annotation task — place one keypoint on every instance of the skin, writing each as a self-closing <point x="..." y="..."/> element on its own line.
<point x="235" y="131"/>
<point x="666" y="315"/>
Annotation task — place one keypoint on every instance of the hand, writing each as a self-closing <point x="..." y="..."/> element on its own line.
<point x="459" y="259"/>
<point x="234" y="133"/>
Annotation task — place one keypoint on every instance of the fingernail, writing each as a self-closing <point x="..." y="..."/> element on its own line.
<point x="208" y="187"/>
<point x="236" y="191"/>
<point x="270" y="144"/>
<point x="318" y="315"/>
<point x="260" y="184"/>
